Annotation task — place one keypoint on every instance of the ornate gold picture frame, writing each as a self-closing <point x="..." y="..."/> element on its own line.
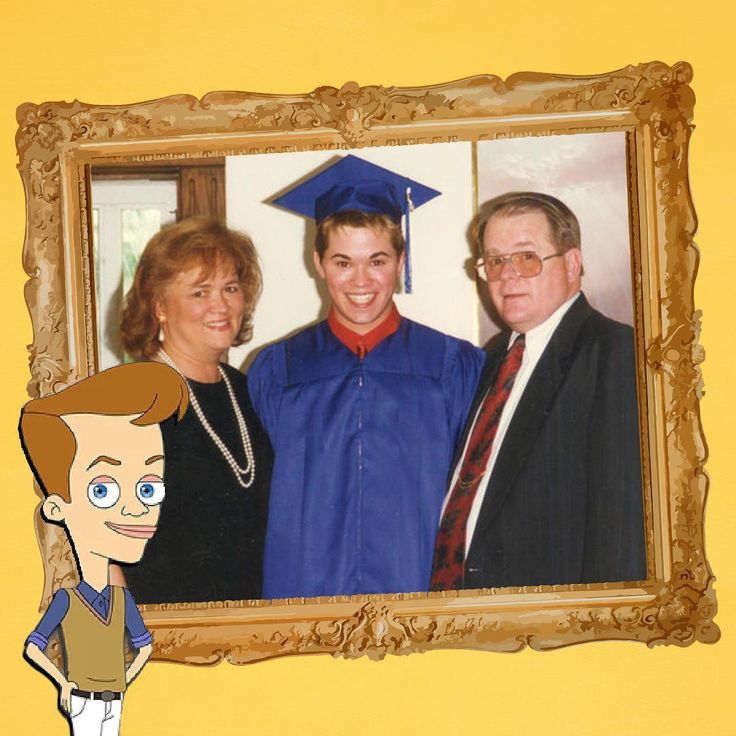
<point x="652" y="104"/>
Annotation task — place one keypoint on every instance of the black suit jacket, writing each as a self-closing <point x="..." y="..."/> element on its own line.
<point x="564" y="502"/>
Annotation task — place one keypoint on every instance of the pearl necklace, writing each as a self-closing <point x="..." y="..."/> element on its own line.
<point x="244" y="476"/>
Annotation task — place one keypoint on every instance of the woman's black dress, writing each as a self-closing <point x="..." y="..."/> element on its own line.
<point x="209" y="542"/>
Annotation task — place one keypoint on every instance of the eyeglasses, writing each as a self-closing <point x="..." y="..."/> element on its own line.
<point x="526" y="263"/>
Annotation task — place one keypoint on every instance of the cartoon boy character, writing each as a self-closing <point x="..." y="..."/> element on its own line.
<point x="96" y="451"/>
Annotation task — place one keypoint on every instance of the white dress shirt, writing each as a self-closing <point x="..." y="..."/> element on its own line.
<point x="536" y="341"/>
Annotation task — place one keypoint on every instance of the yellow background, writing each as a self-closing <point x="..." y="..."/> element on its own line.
<point x="91" y="51"/>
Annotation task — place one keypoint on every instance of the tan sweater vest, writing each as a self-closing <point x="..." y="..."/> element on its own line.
<point x="95" y="649"/>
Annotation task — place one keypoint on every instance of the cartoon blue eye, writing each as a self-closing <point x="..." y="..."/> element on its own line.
<point x="150" y="492"/>
<point x="103" y="492"/>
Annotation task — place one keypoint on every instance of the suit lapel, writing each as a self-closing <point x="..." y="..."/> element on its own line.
<point x="531" y="412"/>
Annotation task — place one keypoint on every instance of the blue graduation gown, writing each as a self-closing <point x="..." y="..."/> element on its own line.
<point x="362" y="453"/>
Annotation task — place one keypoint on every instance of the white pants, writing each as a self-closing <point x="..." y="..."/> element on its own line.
<point x="95" y="717"/>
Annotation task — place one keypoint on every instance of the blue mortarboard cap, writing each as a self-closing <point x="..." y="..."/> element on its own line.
<point x="354" y="184"/>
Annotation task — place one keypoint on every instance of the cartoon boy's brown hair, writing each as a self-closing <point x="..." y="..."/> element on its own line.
<point x="153" y="391"/>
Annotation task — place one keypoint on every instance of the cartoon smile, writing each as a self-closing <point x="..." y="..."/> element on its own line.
<point x="138" y="531"/>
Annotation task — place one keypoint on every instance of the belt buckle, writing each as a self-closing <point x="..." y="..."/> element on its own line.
<point x="107" y="696"/>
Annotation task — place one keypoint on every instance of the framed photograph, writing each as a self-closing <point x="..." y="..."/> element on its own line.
<point x="100" y="181"/>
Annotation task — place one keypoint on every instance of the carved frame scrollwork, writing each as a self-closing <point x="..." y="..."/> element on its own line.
<point x="653" y="103"/>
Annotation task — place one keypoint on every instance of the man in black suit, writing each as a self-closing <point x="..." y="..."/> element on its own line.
<point x="548" y="488"/>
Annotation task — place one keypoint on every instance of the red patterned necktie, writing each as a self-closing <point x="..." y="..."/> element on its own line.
<point x="448" y="565"/>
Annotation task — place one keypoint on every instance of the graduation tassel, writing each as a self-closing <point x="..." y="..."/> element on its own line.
<point x="407" y="238"/>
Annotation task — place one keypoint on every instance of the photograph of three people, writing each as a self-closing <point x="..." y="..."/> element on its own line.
<point x="380" y="449"/>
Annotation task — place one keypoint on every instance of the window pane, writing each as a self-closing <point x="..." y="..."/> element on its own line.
<point x="96" y="246"/>
<point x="138" y="227"/>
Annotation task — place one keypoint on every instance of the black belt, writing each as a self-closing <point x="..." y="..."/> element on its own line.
<point x="106" y="695"/>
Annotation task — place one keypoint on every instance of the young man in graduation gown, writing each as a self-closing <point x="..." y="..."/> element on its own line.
<point x="363" y="409"/>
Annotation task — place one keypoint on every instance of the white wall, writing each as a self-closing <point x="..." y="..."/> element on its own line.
<point x="588" y="173"/>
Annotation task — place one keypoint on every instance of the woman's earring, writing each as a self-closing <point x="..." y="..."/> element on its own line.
<point x="161" y="321"/>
